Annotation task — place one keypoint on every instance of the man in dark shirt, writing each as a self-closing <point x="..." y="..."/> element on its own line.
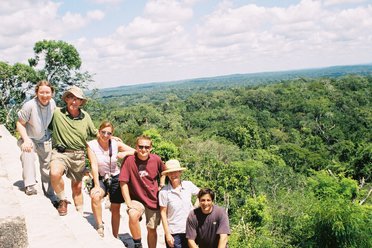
<point x="208" y="225"/>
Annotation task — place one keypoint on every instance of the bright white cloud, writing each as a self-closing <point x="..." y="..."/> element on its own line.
<point x="96" y="15"/>
<point x="168" y="11"/>
<point x="107" y="1"/>
<point x="337" y="2"/>
<point x="166" y="41"/>
<point x="24" y="22"/>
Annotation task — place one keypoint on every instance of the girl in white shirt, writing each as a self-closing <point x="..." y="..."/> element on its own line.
<point x="103" y="154"/>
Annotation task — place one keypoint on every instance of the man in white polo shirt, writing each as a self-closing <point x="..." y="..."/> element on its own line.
<point x="175" y="205"/>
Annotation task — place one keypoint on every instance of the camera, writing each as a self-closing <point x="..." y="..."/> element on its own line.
<point x="60" y="148"/>
<point x="107" y="181"/>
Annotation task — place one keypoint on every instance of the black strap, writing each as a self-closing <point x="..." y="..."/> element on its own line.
<point x="110" y="154"/>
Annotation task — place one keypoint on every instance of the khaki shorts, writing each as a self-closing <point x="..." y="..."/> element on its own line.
<point x="74" y="163"/>
<point x="152" y="218"/>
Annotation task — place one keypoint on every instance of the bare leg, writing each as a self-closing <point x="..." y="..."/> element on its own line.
<point x="152" y="237"/>
<point x="134" y="224"/>
<point x="115" y="218"/>
<point x="56" y="173"/>
<point x="97" y="206"/>
<point x="77" y="195"/>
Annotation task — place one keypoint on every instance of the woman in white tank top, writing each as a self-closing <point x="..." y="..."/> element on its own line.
<point x="103" y="154"/>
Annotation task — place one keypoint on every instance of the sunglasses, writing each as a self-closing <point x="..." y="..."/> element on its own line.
<point x="72" y="97"/>
<point x="106" y="133"/>
<point x="146" y="147"/>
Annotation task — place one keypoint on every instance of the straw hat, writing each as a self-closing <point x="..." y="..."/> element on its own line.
<point x="76" y="91"/>
<point x="171" y="166"/>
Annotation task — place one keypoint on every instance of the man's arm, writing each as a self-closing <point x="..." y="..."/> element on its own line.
<point x="162" y="177"/>
<point x="164" y="219"/>
<point x="94" y="165"/>
<point x="223" y="229"/>
<point x="92" y="130"/>
<point x="126" y="195"/>
<point x="124" y="150"/>
<point x="192" y="243"/>
<point x="162" y="182"/>
<point x="223" y="240"/>
<point x="191" y="231"/>
<point x="27" y="142"/>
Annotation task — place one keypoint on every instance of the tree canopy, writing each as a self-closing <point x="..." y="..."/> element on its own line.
<point x="56" y="61"/>
<point x="291" y="161"/>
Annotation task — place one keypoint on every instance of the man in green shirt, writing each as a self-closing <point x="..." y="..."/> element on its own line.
<point x="71" y="128"/>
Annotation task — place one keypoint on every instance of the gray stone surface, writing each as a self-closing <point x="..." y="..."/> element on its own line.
<point x="43" y="225"/>
<point x="13" y="231"/>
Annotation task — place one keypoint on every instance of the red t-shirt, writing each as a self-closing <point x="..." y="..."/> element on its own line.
<point x="142" y="178"/>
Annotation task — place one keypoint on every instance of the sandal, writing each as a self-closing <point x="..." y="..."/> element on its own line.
<point x="101" y="230"/>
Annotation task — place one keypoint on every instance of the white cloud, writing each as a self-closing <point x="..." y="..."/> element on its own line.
<point x="168" y="11"/>
<point x="165" y="42"/>
<point x="96" y="15"/>
<point x="74" y="20"/>
<point x="107" y="1"/>
<point x="255" y="32"/>
<point x="236" y="39"/>
<point x="337" y="2"/>
<point x="24" y="22"/>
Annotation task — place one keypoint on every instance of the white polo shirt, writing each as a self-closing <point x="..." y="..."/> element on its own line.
<point x="178" y="204"/>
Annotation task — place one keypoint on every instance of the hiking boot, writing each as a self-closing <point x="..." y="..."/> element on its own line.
<point x="30" y="190"/>
<point x="62" y="207"/>
<point x="101" y="230"/>
<point x="107" y="203"/>
<point x="55" y="204"/>
<point x="138" y="245"/>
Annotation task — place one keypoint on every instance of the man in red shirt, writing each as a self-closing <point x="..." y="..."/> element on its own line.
<point x="139" y="185"/>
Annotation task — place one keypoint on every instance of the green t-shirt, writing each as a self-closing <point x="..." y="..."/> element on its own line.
<point x="71" y="133"/>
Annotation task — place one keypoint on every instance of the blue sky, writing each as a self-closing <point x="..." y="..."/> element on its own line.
<point x="125" y="42"/>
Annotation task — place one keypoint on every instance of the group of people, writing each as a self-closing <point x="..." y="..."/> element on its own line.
<point x="63" y="137"/>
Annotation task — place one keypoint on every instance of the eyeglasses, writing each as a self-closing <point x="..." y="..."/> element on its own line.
<point x="73" y="97"/>
<point x="146" y="147"/>
<point x="106" y="133"/>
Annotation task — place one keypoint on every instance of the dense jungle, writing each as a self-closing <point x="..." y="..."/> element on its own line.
<point x="291" y="161"/>
<point x="288" y="154"/>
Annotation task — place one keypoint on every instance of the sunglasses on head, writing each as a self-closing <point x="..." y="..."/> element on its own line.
<point x="106" y="133"/>
<point x="146" y="147"/>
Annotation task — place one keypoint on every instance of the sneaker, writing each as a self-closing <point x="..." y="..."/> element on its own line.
<point x="107" y="203"/>
<point x="62" y="207"/>
<point x="137" y="245"/>
<point x="101" y="230"/>
<point x="55" y="204"/>
<point x="30" y="190"/>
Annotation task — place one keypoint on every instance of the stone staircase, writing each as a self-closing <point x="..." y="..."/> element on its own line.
<point x="32" y="221"/>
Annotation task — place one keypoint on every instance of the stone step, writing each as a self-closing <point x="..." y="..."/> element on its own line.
<point x="45" y="228"/>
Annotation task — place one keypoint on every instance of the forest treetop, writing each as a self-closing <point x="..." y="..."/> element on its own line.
<point x="291" y="159"/>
